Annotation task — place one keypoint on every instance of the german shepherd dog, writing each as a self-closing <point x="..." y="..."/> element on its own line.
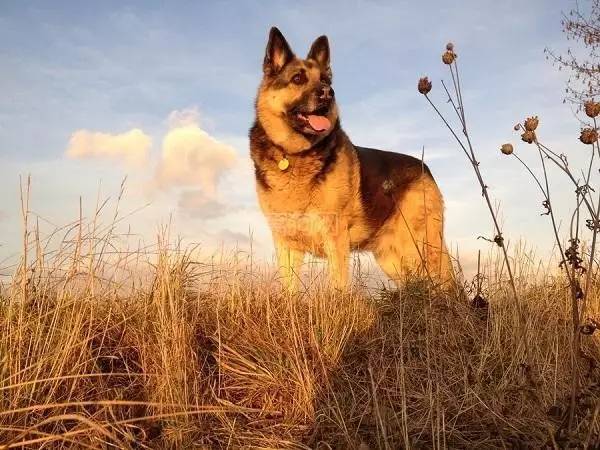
<point x="325" y="196"/>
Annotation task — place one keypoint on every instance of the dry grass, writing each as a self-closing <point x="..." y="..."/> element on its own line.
<point x="217" y="356"/>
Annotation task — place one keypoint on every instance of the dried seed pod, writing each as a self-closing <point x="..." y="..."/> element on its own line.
<point x="592" y="109"/>
<point x="531" y="123"/>
<point x="449" y="46"/>
<point x="448" y="57"/>
<point x="479" y="301"/>
<point x="587" y="329"/>
<point x="528" y="136"/>
<point x="588" y="136"/>
<point x="517" y="127"/>
<point x="499" y="240"/>
<point x="424" y="86"/>
<point x="507" y="149"/>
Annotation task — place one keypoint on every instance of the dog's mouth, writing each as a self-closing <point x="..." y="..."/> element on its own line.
<point x="314" y="121"/>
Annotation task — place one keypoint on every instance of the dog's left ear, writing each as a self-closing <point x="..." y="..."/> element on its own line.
<point x="319" y="51"/>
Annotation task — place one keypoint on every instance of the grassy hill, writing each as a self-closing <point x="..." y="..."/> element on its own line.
<point x="199" y="356"/>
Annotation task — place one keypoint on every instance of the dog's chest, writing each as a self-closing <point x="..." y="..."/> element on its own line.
<point x="301" y="208"/>
<point x="294" y="192"/>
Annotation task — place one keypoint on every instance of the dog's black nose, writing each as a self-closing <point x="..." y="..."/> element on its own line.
<point x="326" y="92"/>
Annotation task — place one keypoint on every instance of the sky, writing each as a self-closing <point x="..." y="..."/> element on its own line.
<point x="162" y="93"/>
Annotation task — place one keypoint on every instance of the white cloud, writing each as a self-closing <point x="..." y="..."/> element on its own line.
<point x="184" y="117"/>
<point x="191" y="157"/>
<point x="190" y="165"/>
<point x="131" y="147"/>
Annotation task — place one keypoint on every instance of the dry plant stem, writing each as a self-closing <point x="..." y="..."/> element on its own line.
<point x="594" y="210"/>
<point x="475" y="164"/>
<point x="574" y="307"/>
<point x="588" y="284"/>
<point x="595" y="225"/>
<point x="553" y="157"/>
<point x="25" y="215"/>
<point x="546" y="192"/>
<point x="572" y="277"/>
<point x="458" y="91"/>
<point x="460" y="111"/>
<point x="533" y="175"/>
<point x="589" y="172"/>
<point x="588" y="278"/>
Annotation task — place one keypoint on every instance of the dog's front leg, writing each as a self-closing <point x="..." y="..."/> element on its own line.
<point x="289" y="262"/>
<point x="337" y="250"/>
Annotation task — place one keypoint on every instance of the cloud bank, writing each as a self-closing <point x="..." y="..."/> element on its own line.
<point x="190" y="165"/>
<point x="130" y="148"/>
<point x="191" y="157"/>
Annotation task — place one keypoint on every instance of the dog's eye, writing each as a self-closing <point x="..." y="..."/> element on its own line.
<point x="325" y="79"/>
<point x="299" y="78"/>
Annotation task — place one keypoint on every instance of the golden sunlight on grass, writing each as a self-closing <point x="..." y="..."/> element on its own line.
<point x="108" y="348"/>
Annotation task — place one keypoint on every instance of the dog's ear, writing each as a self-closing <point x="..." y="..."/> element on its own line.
<point x="278" y="53"/>
<point x="319" y="52"/>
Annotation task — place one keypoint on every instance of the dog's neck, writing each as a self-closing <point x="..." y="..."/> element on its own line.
<point x="266" y="154"/>
<point x="281" y="134"/>
<point x="262" y="141"/>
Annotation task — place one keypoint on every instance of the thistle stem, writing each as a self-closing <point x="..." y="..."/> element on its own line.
<point x="472" y="159"/>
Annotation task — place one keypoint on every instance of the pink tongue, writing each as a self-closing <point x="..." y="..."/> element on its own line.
<point x="318" y="123"/>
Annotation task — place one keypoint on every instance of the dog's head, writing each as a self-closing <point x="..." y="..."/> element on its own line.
<point x="296" y="104"/>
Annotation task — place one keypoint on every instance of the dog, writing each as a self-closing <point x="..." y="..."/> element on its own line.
<point x="325" y="196"/>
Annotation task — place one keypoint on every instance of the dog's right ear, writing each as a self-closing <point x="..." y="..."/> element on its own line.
<point x="278" y="53"/>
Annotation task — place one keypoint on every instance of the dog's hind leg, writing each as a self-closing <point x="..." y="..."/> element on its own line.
<point x="289" y="262"/>
<point x="398" y="264"/>
<point x="411" y="242"/>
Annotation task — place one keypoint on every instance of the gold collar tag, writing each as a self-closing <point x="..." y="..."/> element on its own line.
<point x="283" y="164"/>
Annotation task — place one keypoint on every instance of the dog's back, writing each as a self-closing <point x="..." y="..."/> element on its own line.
<point x="384" y="179"/>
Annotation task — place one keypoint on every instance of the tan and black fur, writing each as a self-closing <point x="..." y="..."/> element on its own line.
<point x="334" y="197"/>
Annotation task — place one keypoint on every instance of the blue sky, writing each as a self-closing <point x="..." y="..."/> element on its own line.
<point x="111" y="67"/>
